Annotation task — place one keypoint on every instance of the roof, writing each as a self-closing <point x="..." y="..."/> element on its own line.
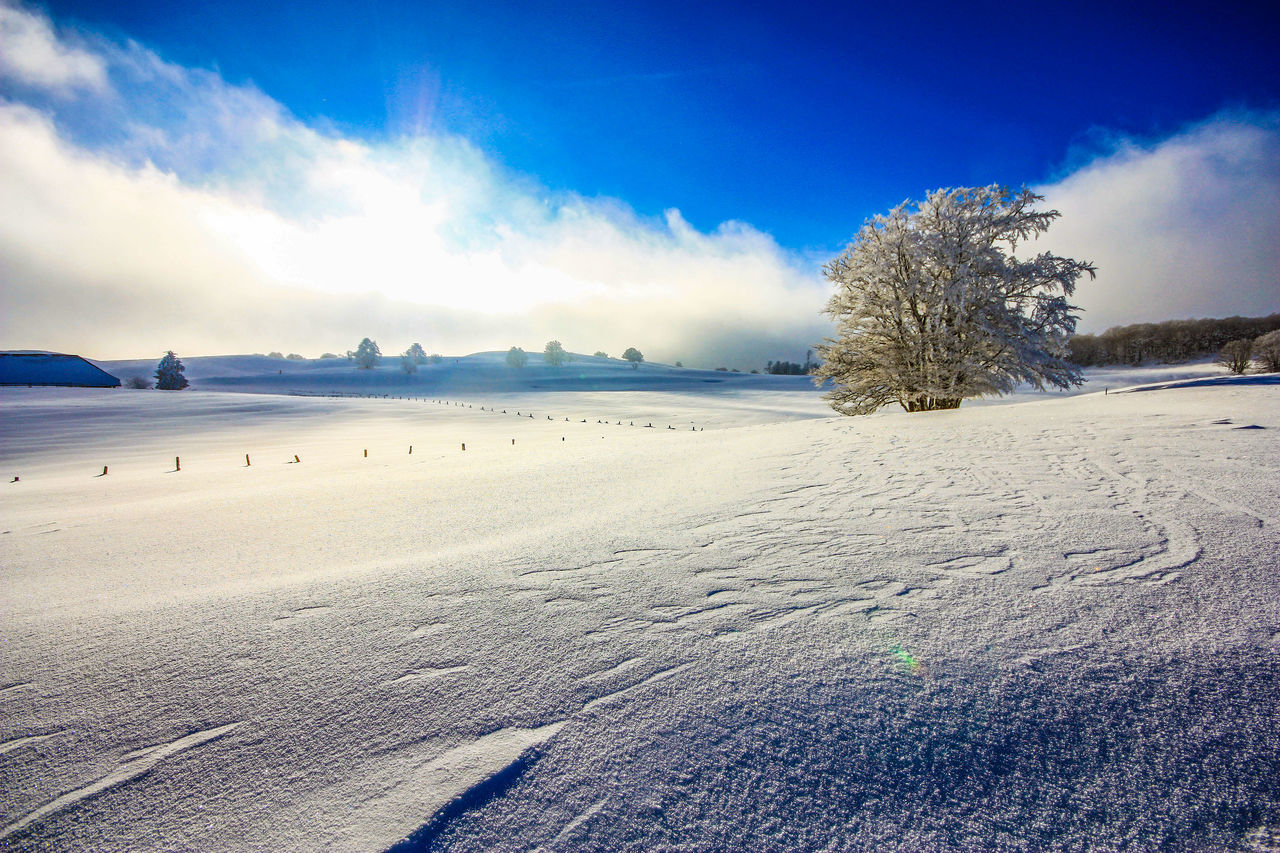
<point x="52" y="368"/>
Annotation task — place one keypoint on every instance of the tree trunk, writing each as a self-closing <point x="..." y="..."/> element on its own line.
<point x="932" y="404"/>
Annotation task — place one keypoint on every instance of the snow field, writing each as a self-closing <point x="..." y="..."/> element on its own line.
<point x="1041" y="626"/>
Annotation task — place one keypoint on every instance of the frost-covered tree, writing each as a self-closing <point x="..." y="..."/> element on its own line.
<point x="417" y="353"/>
<point x="634" y="356"/>
<point x="554" y="354"/>
<point x="1236" y="355"/>
<point x="1266" y="349"/>
<point x="367" y="354"/>
<point x="408" y="363"/>
<point x="517" y="357"/>
<point x="169" y="373"/>
<point x="933" y="306"/>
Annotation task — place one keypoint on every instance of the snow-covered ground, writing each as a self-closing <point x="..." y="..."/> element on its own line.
<point x="1052" y="623"/>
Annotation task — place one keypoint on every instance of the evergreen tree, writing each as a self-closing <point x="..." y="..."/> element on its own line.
<point x="169" y="373"/>
<point x="417" y="353"/>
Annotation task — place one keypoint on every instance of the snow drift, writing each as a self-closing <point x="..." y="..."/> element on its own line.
<point x="1047" y="625"/>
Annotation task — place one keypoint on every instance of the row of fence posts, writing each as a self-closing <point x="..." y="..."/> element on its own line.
<point x="177" y="460"/>
<point x="343" y="394"/>
<point x="248" y="462"/>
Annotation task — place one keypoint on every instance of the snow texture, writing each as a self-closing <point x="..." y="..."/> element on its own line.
<point x="1047" y="625"/>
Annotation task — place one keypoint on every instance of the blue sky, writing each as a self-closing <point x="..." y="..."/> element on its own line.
<point x="666" y="176"/>
<point x="800" y="118"/>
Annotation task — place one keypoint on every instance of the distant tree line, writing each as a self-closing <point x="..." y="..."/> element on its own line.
<point x="791" y="368"/>
<point x="1170" y="342"/>
<point x="368" y="354"/>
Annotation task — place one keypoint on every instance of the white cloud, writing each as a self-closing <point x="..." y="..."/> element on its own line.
<point x="170" y="209"/>
<point x="208" y="220"/>
<point x="1186" y="227"/>
<point x="31" y="53"/>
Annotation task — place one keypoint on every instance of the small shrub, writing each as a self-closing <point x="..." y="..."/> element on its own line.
<point x="1267" y="350"/>
<point x="1236" y="355"/>
<point x="140" y="383"/>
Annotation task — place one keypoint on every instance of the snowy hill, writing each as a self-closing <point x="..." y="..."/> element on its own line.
<point x="488" y="373"/>
<point x="485" y="371"/>
<point x="1039" y="625"/>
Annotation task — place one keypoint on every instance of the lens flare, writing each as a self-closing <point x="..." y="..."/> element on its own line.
<point x="907" y="660"/>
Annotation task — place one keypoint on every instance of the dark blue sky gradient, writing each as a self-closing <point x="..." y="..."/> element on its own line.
<point x="799" y="118"/>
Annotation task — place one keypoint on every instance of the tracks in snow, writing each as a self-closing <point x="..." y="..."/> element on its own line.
<point x="862" y="530"/>
<point x="875" y="529"/>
